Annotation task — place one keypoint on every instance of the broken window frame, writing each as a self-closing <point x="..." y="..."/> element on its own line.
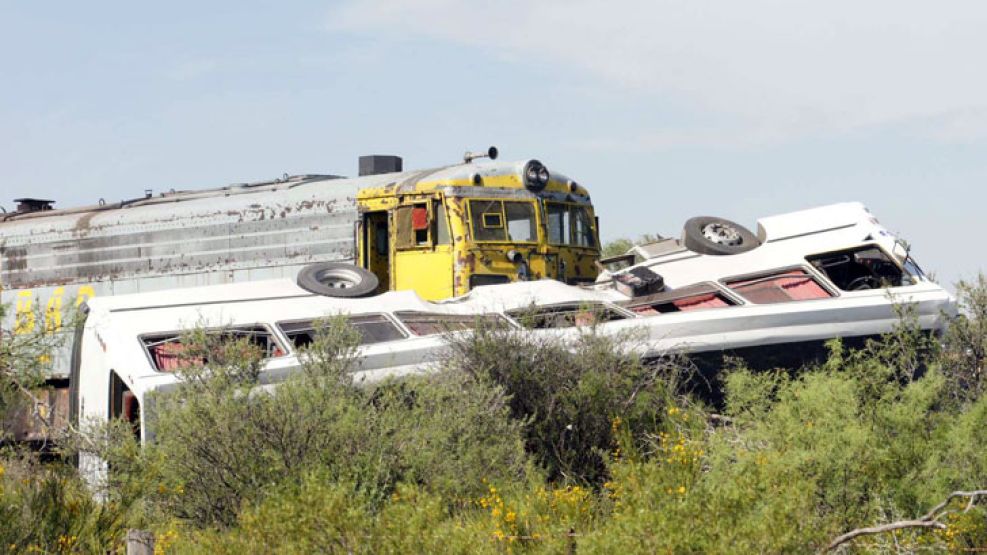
<point x="123" y="404"/>
<point x="405" y="236"/>
<point x="648" y="305"/>
<point x="748" y="280"/>
<point x="354" y="320"/>
<point x="567" y="315"/>
<point x="445" y="323"/>
<point x="905" y="276"/>
<point x="274" y="349"/>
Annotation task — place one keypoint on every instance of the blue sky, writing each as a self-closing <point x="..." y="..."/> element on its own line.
<point x="663" y="109"/>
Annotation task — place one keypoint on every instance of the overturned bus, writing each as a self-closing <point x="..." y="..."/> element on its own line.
<point x="771" y="298"/>
<point x="438" y="232"/>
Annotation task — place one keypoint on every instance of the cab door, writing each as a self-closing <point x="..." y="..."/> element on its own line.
<point x="423" y="260"/>
<point x="377" y="247"/>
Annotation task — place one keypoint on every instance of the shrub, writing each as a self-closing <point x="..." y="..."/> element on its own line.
<point x="46" y="509"/>
<point x="24" y="358"/>
<point x="438" y="463"/>
<point x="570" y="394"/>
<point x="965" y="353"/>
<point x="221" y="440"/>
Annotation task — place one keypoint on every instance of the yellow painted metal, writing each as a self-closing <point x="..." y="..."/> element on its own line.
<point x="429" y="272"/>
<point x="436" y="270"/>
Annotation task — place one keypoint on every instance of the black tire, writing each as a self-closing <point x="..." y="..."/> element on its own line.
<point x="337" y="279"/>
<point x="717" y="236"/>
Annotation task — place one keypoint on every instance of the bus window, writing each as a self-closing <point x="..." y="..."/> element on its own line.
<point x="426" y="323"/>
<point x="373" y="328"/>
<point x="792" y="285"/>
<point x="861" y="268"/>
<point x="124" y="404"/>
<point x="565" y="316"/>
<point x="684" y="299"/>
<point x="168" y="352"/>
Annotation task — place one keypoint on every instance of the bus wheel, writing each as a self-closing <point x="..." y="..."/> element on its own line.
<point x="709" y="235"/>
<point x="337" y="279"/>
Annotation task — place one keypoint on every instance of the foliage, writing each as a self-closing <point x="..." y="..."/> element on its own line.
<point x="569" y="392"/>
<point x="23" y="360"/>
<point x="222" y="440"/>
<point x="627" y="461"/>
<point x="965" y="342"/>
<point x="45" y="508"/>
<point x="623" y="244"/>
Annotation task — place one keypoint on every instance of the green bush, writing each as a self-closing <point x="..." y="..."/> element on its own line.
<point x="965" y="342"/>
<point x="569" y="395"/>
<point x="47" y="509"/>
<point x="443" y="463"/>
<point x="220" y="440"/>
<point x="24" y="359"/>
<point x="802" y="460"/>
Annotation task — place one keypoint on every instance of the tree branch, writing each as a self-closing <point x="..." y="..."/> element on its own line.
<point x="929" y="520"/>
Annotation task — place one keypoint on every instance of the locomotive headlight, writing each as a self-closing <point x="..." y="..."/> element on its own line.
<point x="543" y="176"/>
<point x="536" y="175"/>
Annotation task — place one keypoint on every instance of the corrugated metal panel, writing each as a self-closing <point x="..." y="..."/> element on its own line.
<point x="311" y="222"/>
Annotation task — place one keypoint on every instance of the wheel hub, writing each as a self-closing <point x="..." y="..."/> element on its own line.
<point x="339" y="279"/>
<point x="722" y="234"/>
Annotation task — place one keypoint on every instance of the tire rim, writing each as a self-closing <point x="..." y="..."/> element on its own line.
<point x="722" y="234"/>
<point x="339" y="278"/>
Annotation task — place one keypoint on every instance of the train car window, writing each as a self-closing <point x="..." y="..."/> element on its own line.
<point x="411" y="226"/>
<point x="495" y="220"/>
<point x="441" y="224"/>
<point x="521" y="226"/>
<point x="569" y="224"/>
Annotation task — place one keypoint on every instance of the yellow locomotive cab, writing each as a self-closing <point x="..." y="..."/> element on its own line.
<point x="445" y="231"/>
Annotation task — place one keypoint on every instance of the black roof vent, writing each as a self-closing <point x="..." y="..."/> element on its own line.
<point x="33" y="204"/>
<point x="379" y="163"/>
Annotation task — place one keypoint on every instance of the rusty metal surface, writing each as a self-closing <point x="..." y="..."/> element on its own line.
<point x="183" y="235"/>
<point x="59" y="258"/>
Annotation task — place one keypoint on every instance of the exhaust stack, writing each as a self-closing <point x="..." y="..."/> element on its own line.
<point x="379" y="163"/>
<point x="26" y="205"/>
